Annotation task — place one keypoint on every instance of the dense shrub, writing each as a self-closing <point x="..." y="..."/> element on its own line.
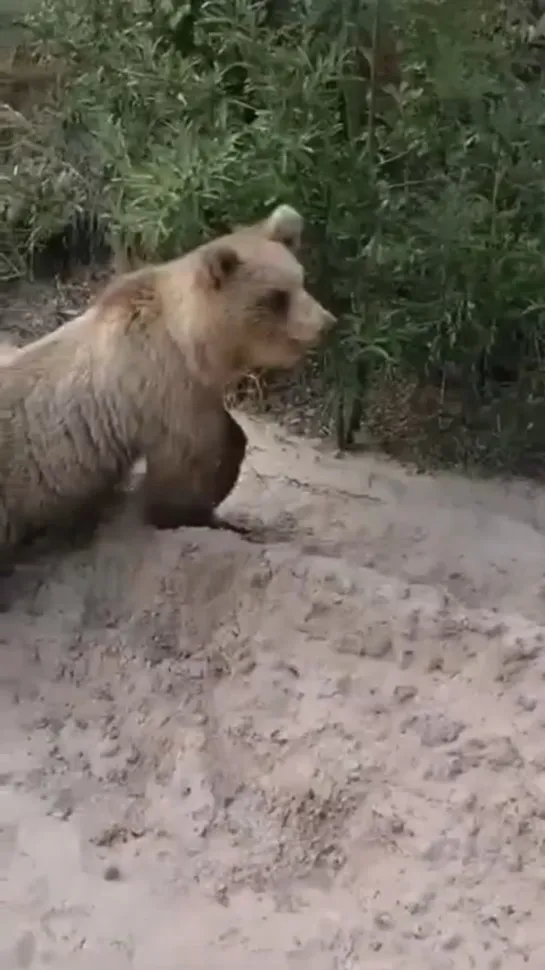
<point x="419" y="167"/>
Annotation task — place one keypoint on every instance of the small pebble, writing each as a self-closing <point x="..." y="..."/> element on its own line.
<point x="526" y="702"/>
<point x="384" y="921"/>
<point x="404" y="693"/>
<point x="437" y="729"/>
<point x="112" y="874"/>
<point x="452" y="942"/>
<point x="421" y="904"/>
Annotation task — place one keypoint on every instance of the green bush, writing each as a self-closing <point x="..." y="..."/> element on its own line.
<point x="423" y="191"/>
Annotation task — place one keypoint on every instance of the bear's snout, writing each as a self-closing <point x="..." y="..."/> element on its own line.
<point x="312" y="321"/>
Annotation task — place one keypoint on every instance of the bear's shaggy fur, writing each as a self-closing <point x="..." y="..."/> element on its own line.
<point x="142" y="374"/>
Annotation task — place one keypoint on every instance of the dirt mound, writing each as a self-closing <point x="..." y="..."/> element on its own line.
<point x="322" y="750"/>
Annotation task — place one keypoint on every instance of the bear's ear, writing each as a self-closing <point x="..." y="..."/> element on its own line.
<point x="219" y="263"/>
<point x="285" y="225"/>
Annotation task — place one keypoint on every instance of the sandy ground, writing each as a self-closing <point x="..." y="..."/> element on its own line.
<point x="323" y="750"/>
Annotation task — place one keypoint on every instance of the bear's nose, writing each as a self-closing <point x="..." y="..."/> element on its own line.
<point x="330" y="320"/>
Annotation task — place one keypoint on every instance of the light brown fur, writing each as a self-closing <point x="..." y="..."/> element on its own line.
<point x="142" y="373"/>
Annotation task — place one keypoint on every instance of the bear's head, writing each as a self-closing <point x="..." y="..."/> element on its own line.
<point x="248" y="299"/>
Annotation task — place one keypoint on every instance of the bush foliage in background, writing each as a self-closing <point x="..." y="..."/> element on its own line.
<point x="411" y="136"/>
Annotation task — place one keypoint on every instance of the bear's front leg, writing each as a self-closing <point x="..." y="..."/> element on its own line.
<point x="231" y="454"/>
<point x="186" y="481"/>
<point x="163" y="512"/>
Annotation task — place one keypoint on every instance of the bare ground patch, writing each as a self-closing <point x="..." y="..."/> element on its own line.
<point x="323" y="749"/>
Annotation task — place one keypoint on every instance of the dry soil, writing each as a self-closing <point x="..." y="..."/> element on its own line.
<point x="320" y="750"/>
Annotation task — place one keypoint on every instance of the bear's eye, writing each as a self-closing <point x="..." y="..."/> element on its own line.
<point x="277" y="302"/>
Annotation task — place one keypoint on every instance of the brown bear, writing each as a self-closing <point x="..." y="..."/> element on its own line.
<point x="142" y="374"/>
